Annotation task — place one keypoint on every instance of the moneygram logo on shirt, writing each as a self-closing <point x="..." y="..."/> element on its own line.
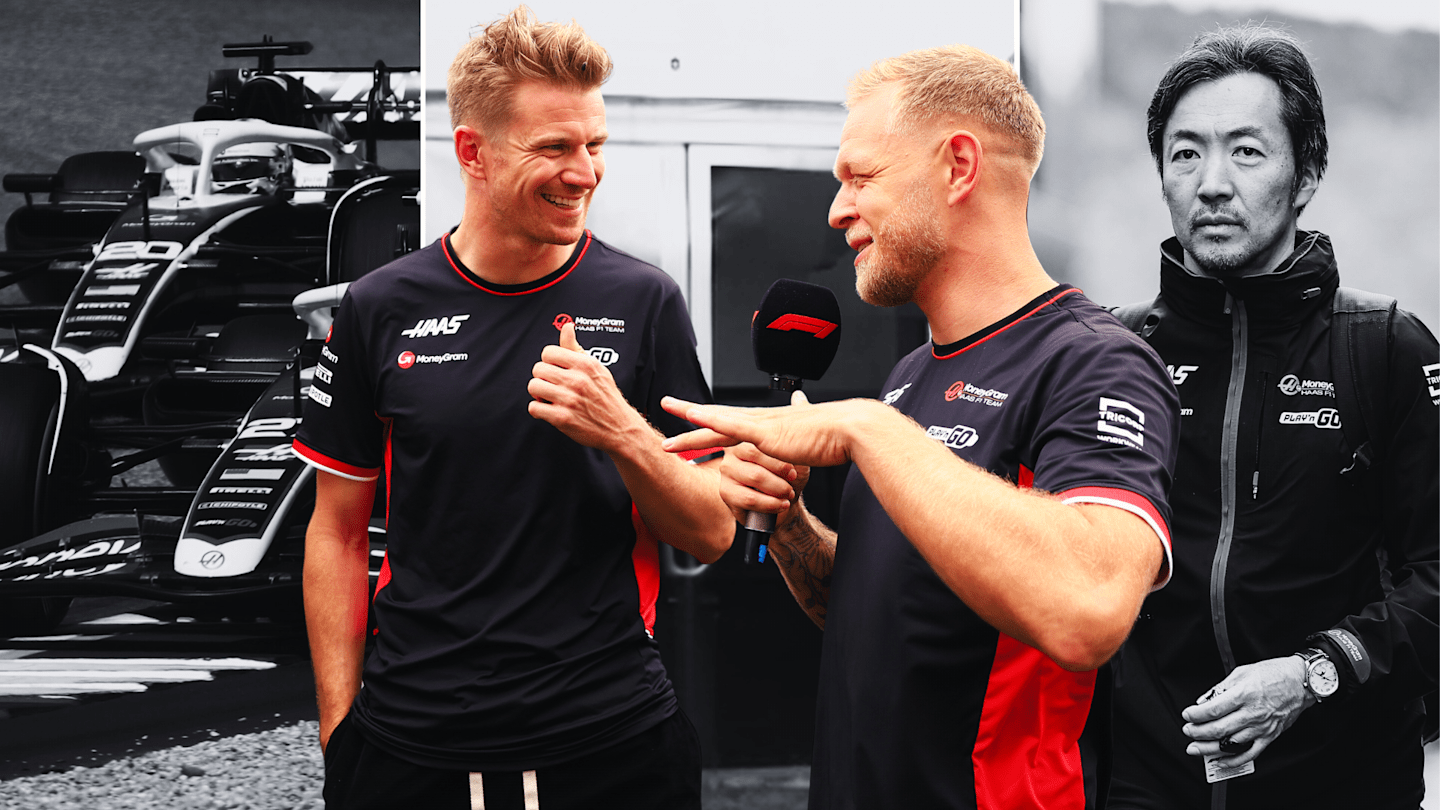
<point x="1290" y="386"/>
<point x="958" y="437"/>
<point x="409" y="358"/>
<point x="974" y="393"/>
<point x="616" y="325"/>
<point x="1120" y="423"/>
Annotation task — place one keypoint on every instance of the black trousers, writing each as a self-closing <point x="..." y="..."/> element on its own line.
<point x="658" y="768"/>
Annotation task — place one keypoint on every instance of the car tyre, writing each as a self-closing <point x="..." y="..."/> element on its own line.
<point x="29" y="414"/>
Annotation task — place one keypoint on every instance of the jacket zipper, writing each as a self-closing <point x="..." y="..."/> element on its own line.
<point x="1229" y="440"/>
<point x="1259" y="432"/>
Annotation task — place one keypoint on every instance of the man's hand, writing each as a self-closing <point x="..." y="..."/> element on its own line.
<point x="1251" y="707"/>
<point x="800" y="433"/>
<point x="751" y="481"/>
<point x="576" y="393"/>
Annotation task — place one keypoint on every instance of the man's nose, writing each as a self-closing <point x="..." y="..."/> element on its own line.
<point x="842" y="208"/>
<point x="582" y="169"/>
<point x="1215" y="181"/>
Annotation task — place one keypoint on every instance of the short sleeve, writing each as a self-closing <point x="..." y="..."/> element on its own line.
<point x="340" y="432"/>
<point x="676" y="368"/>
<point x="1109" y="429"/>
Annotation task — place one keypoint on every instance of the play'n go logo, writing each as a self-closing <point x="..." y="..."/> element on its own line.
<point x="606" y="356"/>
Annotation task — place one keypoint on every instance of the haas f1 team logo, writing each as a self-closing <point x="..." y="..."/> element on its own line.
<point x="561" y="320"/>
<point x="818" y="327"/>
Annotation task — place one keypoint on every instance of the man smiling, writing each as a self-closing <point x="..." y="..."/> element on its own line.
<point x="1305" y="501"/>
<point x="1006" y="512"/>
<point x="525" y="488"/>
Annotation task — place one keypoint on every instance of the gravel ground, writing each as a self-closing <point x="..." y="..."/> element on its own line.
<point x="280" y="769"/>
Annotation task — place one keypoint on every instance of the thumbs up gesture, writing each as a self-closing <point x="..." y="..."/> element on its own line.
<point x="577" y="394"/>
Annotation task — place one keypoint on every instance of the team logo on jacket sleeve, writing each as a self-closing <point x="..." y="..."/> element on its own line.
<point x="1432" y="379"/>
<point x="1120" y="423"/>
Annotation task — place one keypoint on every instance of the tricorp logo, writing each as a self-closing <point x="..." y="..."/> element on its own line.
<point x="818" y="327"/>
<point x="406" y="359"/>
<point x="561" y="320"/>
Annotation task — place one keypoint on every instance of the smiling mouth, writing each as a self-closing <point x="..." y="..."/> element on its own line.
<point x="562" y="202"/>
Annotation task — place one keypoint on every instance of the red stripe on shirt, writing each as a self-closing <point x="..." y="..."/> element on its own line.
<point x="1127" y="497"/>
<point x="329" y="464"/>
<point x="646" y="559"/>
<point x="1027" y="478"/>
<point x="1138" y="505"/>
<point x="1027" y="746"/>
<point x="964" y="349"/>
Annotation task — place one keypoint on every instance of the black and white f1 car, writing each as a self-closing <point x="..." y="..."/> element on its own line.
<point x="171" y="297"/>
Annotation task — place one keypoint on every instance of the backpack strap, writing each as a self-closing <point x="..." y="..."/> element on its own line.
<point x="1360" y="360"/>
<point x="1144" y="317"/>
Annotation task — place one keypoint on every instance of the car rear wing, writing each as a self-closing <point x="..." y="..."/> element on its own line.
<point x="378" y="102"/>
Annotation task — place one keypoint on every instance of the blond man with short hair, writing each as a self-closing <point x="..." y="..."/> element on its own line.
<point x="506" y="378"/>
<point x="1006" y="514"/>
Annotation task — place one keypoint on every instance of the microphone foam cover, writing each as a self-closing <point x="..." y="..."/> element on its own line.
<point x="796" y="330"/>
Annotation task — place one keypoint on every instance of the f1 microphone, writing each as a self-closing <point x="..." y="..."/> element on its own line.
<point x="795" y="334"/>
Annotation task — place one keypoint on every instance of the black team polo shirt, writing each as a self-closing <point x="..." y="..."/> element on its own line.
<point x="515" y="605"/>
<point x="921" y="703"/>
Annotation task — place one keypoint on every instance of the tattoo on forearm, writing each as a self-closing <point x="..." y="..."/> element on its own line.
<point x="806" y="558"/>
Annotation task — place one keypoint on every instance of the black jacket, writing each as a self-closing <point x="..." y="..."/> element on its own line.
<point x="1279" y="534"/>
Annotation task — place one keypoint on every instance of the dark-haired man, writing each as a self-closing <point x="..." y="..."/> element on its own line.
<point x="513" y="664"/>
<point x="1286" y="660"/>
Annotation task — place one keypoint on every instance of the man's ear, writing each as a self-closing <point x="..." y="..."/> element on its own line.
<point x="964" y="155"/>
<point x="1309" y="182"/>
<point x="469" y="152"/>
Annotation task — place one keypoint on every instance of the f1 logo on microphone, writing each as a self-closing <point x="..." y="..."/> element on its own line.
<point x="803" y="323"/>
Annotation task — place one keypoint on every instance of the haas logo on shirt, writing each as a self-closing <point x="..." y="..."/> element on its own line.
<point x="425" y="327"/>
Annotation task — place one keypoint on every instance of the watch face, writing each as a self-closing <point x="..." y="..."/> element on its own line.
<point x="1324" y="679"/>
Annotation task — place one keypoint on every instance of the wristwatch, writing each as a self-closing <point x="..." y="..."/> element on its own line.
<point x="1321" y="678"/>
